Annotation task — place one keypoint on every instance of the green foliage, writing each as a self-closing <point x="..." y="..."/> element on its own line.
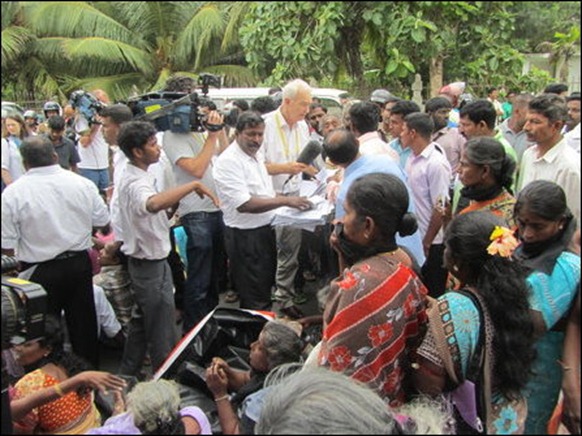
<point x="536" y="22"/>
<point x="51" y="48"/>
<point x="125" y="47"/>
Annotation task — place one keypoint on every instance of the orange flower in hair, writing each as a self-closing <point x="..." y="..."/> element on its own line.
<point x="503" y="242"/>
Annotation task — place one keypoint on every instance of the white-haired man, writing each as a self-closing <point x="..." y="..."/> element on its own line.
<point x="286" y="133"/>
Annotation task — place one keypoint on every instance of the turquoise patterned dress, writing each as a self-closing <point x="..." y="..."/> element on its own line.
<point x="460" y="324"/>
<point x="552" y="295"/>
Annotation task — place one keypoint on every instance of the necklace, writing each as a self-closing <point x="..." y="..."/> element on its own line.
<point x="389" y="253"/>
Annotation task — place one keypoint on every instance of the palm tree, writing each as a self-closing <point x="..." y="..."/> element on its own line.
<point x="132" y="47"/>
<point x="564" y="46"/>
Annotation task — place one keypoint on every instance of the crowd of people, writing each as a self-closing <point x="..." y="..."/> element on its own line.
<point x="451" y="261"/>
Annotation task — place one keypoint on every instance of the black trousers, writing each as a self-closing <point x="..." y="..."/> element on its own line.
<point x="69" y="286"/>
<point x="253" y="262"/>
<point x="434" y="274"/>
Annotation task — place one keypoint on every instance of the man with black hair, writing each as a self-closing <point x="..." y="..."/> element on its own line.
<point x="64" y="147"/>
<point x="478" y="119"/>
<point x="493" y="97"/>
<point x="342" y="148"/>
<point x="48" y="215"/>
<point x="429" y="177"/>
<point x="512" y="128"/>
<point x="264" y="105"/>
<point x="364" y="120"/>
<point x="560" y="89"/>
<point x="551" y="158"/>
<point x="247" y="200"/>
<point x="449" y="138"/>
<point x="397" y="114"/>
<point x="316" y="112"/>
<point x="144" y="229"/>
<point x="573" y="123"/>
<point x="191" y="155"/>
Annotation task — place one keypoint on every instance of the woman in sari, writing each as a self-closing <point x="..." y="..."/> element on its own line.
<point x="60" y="389"/>
<point x="485" y="171"/>
<point x="482" y="334"/>
<point x="546" y="227"/>
<point x="375" y="311"/>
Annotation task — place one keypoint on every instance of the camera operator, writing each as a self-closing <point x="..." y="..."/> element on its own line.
<point x="47" y="218"/>
<point x="191" y="155"/>
<point x="93" y="149"/>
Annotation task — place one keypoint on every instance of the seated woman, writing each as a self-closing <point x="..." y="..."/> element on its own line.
<point x="56" y="397"/>
<point x="319" y="401"/>
<point x="154" y="408"/>
<point x="277" y="344"/>
<point x="486" y="174"/>
<point x="545" y="227"/>
<point x="482" y="334"/>
<point x="375" y="311"/>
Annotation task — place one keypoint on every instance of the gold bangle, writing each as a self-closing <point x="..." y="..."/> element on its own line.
<point x="59" y="390"/>
<point x="224" y="397"/>
<point x="564" y="366"/>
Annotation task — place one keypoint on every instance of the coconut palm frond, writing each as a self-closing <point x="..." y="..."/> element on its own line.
<point x="109" y="51"/>
<point x="74" y="20"/>
<point x="198" y="34"/>
<point x="236" y="14"/>
<point x="14" y="41"/>
<point x="10" y="11"/>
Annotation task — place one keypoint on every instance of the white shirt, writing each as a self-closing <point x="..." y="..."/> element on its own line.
<point x="145" y="235"/>
<point x="238" y="177"/>
<point x="561" y="165"/>
<point x="429" y="177"/>
<point x="189" y="145"/>
<point x="372" y="144"/>
<point x="12" y="159"/>
<point x="573" y="138"/>
<point x="96" y="155"/>
<point x="106" y="318"/>
<point x="161" y="171"/>
<point x="283" y="143"/>
<point x="48" y="211"/>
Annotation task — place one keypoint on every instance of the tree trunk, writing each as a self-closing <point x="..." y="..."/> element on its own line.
<point x="436" y="75"/>
<point x="559" y="72"/>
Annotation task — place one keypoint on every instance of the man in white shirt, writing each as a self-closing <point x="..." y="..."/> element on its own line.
<point x="191" y="155"/>
<point x="286" y="133"/>
<point x="94" y="154"/>
<point x="572" y="134"/>
<point x="492" y="96"/>
<point x="47" y="218"/>
<point x="364" y="120"/>
<point x="145" y="231"/>
<point x="429" y="176"/>
<point x="512" y="128"/>
<point x="551" y="158"/>
<point x="247" y="200"/>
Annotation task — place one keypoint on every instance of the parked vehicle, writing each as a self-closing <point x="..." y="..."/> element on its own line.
<point x="329" y="97"/>
<point x="10" y="108"/>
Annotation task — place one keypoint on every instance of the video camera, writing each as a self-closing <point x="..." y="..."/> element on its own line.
<point x="178" y="112"/>
<point x="87" y="104"/>
<point x="23" y="307"/>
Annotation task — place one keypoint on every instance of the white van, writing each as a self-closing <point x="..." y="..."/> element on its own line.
<point x="329" y="97"/>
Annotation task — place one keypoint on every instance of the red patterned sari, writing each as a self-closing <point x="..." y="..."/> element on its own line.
<point x="374" y="318"/>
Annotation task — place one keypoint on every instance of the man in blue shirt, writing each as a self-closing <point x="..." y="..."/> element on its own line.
<point x="342" y="149"/>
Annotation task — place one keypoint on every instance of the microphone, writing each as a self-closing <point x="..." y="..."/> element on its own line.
<point x="309" y="153"/>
